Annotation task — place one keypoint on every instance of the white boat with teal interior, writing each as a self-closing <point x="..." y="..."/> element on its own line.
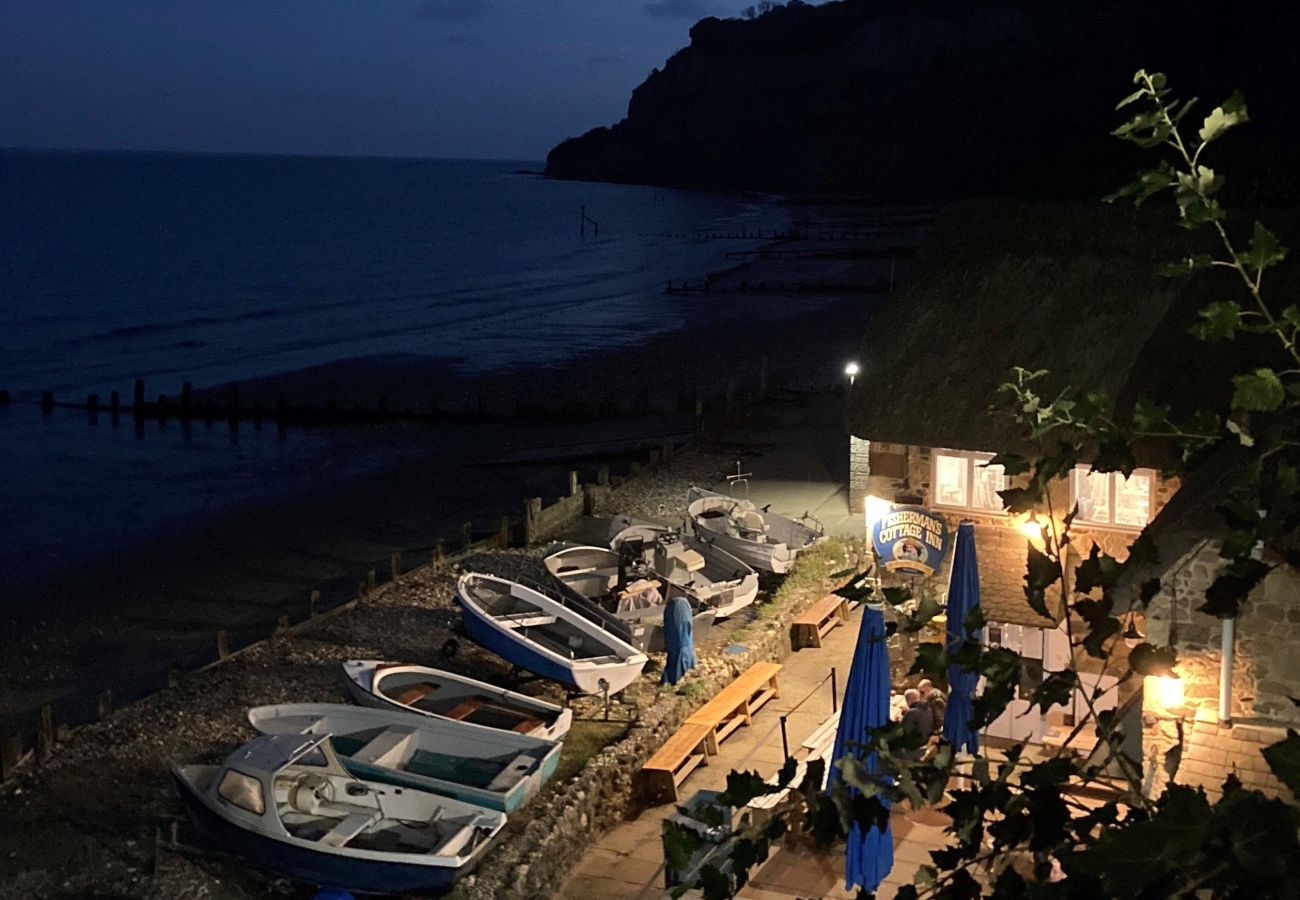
<point x="708" y="574"/>
<point x="438" y="693"/>
<point x="285" y="803"/>
<point x="541" y="634"/>
<point x="487" y="767"/>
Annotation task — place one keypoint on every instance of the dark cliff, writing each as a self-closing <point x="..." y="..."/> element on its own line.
<point x="930" y="100"/>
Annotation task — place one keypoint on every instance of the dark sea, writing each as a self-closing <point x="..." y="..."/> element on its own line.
<point x="208" y="269"/>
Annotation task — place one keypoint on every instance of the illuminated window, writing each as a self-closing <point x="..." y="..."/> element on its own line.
<point x="1108" y="498"/>
<point x="243" y="791"/>
<point x="965" y="481"/>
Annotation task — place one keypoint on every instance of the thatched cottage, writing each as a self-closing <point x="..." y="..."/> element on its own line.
<point x="1075" y="290"/>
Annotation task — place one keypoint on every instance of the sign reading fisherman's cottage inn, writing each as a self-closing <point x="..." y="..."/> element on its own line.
<point x="910" y="540"/>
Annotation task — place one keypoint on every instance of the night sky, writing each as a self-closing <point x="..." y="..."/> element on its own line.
<point x="440" y="78"/>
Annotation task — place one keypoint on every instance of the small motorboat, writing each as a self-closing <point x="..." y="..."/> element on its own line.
<point x="545" y="636"/>
<point x="285" y="803"/>
<point x="487" y="767"/>
<point x="766" y="540"/>
<point x="708" y="574"/>
<point x="597" y="578"/>
<point x="446" y="695"/>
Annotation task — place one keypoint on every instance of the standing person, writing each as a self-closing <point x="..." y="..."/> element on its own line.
<point x="918" y="718"/>
<point x="938" y="702"/>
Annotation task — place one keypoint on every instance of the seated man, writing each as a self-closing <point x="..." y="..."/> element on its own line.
<point x="918" y="718"/>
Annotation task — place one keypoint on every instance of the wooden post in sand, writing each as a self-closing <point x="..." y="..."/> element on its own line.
<point x="281" y="626"/>
<point x="573" y="482"/>
<point x="137" y="400"/>
<point x="45" y="735"/>
<point x="395" y="566"/>
<point x="312" y="602"/>
<point x="532" y="509"/>
<point x="439" y="556"/>
<point x="503" y="533"/>
<point x="370" y="581"/>
<point x="104" y="705"/>
<point x="466" y="534"/>
<point x="602" y="474"/>
<point x="223" y="644"/>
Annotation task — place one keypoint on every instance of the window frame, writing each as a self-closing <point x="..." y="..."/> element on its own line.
<point x="974" y="459"/>
<point x="1112" y="493"/>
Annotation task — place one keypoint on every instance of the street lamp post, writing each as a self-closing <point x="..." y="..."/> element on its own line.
<point x="851" y="370"/>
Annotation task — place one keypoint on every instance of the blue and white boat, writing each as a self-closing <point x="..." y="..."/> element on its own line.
<point x="440" y="694"/>
<point x="543" y="635"/>
<point x="487" y="767"/>
<point x="285" y="803"/>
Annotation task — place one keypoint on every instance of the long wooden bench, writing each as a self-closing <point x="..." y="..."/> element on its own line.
<point x="811" y="625"/>
<point x="677" y="758"/>
<point x="736" y="703"/>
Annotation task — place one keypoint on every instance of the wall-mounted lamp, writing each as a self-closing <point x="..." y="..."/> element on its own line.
<point x="851" y="370"/>
<point x="1170" y="688"/>
<point x="876" y="509"/>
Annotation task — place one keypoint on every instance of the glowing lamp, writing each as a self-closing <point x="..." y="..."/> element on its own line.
<point x="876" y="509"/>
<point x="1171" y="690"/>
<point x="851" y="370"/>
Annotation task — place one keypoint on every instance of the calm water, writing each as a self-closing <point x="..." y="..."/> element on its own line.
<point x="213" y="268"/>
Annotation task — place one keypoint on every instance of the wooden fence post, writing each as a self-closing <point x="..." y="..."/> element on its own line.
<point x="589" y="499"/>
<point x="439" y="556"/>
<point x="503" y="533"/>
<point x="532" y="509"/>
<point x="104" y="705"/>
<point x="281" y="626"/>
<point x="395" y="566"/>
<point x="573" y="482"/>
<point x="223" y="644"/>
<point x="370" y="581"/>
<point x="312" y="602"/>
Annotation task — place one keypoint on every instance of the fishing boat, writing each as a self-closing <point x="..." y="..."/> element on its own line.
<point x="598" y="579"/>
<point x="767" y="541"/>
<point x="445" y="695"/>
<point x="543" y="635"/>
<point x="717" y="579"/>
<point x="286" y="803"/>
<point x="487" y="767"/>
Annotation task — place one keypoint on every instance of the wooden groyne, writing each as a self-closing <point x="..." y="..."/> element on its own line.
<point x="705" y="288"/>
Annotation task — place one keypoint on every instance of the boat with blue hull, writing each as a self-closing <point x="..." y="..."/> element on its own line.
<point x="492" y="768"/>
<point x="543" y="635"/>
<point x="286" y="804"/>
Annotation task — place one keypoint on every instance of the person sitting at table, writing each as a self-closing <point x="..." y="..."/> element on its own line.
<point x="938" y="702"/>
<point x="918" y="718"/>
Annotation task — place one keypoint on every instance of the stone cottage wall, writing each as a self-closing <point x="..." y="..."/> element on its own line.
<point x="1212" y="750"/>
<point x="1266" y="659"/>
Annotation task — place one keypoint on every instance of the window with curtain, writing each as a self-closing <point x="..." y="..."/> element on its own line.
<point x="966" y="481"/>
<point x="1110" y="499"/>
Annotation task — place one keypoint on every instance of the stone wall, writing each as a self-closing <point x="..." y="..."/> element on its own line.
<point x="533" y="862"/>
<point x="1211" y="751"/>
<point x="859" y="472"/>
<point x="1266" y="664"/>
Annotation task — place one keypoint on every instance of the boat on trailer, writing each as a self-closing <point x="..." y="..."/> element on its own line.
<point x="445" y="695"/>
<point x="545" y="636"/>
<point x="766" y="540"/>
<point x="717" y="579"/>
<point x="496" y="769"/>
<point x="285" y="803"/>
<point x="598" y="578"/>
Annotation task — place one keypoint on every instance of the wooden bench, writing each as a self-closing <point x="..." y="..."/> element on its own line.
<point x="736" y="703"/>
<point x="811" y="625"/>
<point x="677" y="758"/>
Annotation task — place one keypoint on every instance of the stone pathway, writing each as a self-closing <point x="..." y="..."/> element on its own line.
<point x="628" y="861"/>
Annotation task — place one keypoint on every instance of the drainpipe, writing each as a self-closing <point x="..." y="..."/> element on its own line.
<point x="1225" y="674"/>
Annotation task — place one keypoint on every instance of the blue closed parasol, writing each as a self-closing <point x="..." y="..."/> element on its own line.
<point x="679" y="640"/>
<point x="963" y="596"/>
<point x="869" y="856"/>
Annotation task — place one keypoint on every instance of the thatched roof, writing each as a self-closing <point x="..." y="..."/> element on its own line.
<point x="1074" y="289"/>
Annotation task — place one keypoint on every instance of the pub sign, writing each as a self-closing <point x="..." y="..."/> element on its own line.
<point x="910" y="540"/>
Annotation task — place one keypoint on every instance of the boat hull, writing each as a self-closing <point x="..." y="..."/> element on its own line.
<point x="314" y="867"/>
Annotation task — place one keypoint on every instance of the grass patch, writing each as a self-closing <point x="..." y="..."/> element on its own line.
<point x="813" y="567"/>
<point x="693" y="690"/>
<point x="585" y="740"/>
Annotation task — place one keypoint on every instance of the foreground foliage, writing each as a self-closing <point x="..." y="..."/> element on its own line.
<point x="1022" y="828"/>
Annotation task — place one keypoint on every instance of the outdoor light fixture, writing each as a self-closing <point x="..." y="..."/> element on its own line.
<point x="876" y="509"/>
<point x="1171" y="690"/>
<point x="1132" y="637"/>
<point x="851" y="370"/>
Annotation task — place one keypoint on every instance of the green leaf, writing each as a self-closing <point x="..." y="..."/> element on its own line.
<point x="680" y="845"/>
<point x="1218" y="321"/>
<point x="1174" y="757"/>
<point x="925" y="874"/>
<point x="1114" y="455"/>
<point x="1222" y="118"/>
<point x="743" y="787"/>
<point x="1041" y="572"/>
<point x="1224" y="596"/>
<point x="1147" y="591"/>
<point x="1243" y="437"/>
<point x="1142" y="553"/>
<point x="931" y="659"/>
<point x="1012" y="464"/>
<point x="1057" y="689"/>
<point x="1099" y="570"/>
<point x="1147" y="659"/>
<point x="1264" y="251"/>
<point x="1284" y="759"/>
<point x="1147" y="183"/>
<point x="1258" y="391"/>
<point x="1019" y="500"/>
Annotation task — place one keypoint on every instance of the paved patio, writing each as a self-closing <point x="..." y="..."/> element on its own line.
<point x="628" y="861"/>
